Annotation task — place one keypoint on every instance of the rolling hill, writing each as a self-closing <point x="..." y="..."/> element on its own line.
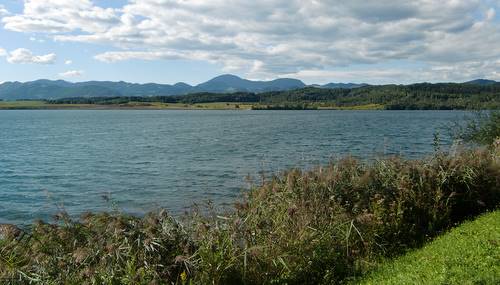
<point x="48" y="89"/>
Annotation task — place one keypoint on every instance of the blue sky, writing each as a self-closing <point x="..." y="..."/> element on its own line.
<point x="194" y="40"/>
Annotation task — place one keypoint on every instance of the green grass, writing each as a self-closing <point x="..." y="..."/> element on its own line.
<point x="468" y="254"/>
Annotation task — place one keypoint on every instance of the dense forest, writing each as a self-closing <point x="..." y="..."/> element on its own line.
<point x="440" y="96"/>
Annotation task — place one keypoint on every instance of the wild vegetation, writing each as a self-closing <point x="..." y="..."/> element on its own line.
<point x="393" y="97"/>
<point x="327" y="225"/>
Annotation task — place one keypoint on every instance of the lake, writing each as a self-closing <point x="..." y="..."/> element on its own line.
<point x="143" y="160"/>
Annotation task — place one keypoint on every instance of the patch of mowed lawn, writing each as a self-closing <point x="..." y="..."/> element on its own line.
<point x="468" y="254"/>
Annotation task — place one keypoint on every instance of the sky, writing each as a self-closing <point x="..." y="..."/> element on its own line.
<point x="169" y="41"/>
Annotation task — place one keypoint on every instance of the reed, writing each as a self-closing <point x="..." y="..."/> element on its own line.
<point x="326" y="225"/>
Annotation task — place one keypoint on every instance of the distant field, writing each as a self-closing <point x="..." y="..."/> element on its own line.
<point x="468" y="254"/>
<point x="35" y="105"/>
<point x="42" y="105"/>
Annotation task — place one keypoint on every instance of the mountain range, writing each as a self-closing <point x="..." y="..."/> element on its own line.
<point x="49" y="89"/>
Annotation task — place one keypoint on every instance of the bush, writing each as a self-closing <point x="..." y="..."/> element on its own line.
<point x="326" y="225"/>
<point x="331" y="223"/>
<point x="100" y="249"/>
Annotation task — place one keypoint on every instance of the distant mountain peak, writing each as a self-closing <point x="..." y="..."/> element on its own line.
<point x="181" y="85"/>
<point x="232" y="83"/>
<point x="481" y="82"/>
<point x="226" y="76"/>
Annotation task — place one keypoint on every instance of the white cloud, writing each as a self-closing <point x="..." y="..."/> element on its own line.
<point x="434" y="73"/>
<point x="114" y="56"/>
<point x="55" y="16"/>
<point x="3" y="11"/>
<point x="33" y="39"/>
<point x="267" y="38"/>
<point x="22" y="55"/>
<point x="68" y="62"/>
<point x="3" y="52"/>
<point x="71" y="73"/>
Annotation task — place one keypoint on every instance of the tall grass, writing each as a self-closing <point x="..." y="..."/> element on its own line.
<point x="482" y="129"/>
<point x="334" y="222"/>
<point x="326" y="225"/>
<point x="100" y="249"/>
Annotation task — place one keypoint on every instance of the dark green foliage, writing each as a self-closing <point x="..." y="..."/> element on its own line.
<point x="322" y="226"/>
<point x="185" y="99"/>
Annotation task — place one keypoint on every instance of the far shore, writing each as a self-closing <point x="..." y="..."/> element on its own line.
<point x="43" y="105"/>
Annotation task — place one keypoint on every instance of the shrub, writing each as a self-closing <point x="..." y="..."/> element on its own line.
<point x="100" y="249"/>
<point x="326" y="225"/>
<point x="331" y="223"/>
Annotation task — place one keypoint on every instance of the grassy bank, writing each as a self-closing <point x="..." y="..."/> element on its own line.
<point x="324" y="226"/>
<point x="468" y="254"/>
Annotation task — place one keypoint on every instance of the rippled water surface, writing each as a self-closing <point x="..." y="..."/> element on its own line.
<point x="149" y="159"/>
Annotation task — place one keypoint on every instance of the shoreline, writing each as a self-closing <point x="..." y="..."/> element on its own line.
<point x="40" y="105"/>
<point x="216" y="106"/>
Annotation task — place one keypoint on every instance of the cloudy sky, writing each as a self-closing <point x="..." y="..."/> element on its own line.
<point x="318" y="41"/>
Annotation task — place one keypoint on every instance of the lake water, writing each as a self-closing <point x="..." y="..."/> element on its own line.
<point x="149" y="159"/>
